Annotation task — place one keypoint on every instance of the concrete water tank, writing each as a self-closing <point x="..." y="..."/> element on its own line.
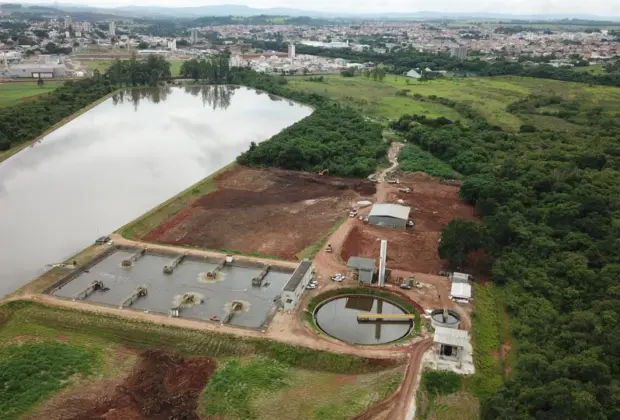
<point x="447" y="319"/>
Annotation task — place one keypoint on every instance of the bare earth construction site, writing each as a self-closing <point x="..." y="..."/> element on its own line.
<point x="266" y="211"/>
<point x="185" y="274"/>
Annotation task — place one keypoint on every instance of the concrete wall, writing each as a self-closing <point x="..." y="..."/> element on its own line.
<point x="290" y="299"/>
<point x="365" y="277"/>
<point x="387" y="221"/>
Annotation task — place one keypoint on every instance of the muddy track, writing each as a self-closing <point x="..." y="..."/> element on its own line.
<point x="397" y="405"/>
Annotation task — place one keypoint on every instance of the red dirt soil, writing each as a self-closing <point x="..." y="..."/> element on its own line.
<point x="433" y="205"/>
<point x="161" y="387"/>
<point x="266" y="211"/>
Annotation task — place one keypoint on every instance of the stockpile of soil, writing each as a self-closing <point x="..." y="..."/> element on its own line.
<point x="267" y="211"/>
<point x="162" y="386"/>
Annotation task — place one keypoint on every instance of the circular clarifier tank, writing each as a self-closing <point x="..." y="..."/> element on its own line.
<point x="448" y="319"/>
<point x="337" y="317"/>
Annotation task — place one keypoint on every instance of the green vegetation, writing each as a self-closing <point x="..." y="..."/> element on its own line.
<point x="33" y="318"/>
<point x="399" y="300"/>
<point x="443" y="396"/>
<point x="27" y="120"/>
<point x="458" y="239"/>
<point x="133" y="72"/>
<point x="414" y="159"/>
<point x="264" y="389"/>
<point x="489" y="97"/>
<point x="103" y="65"/>
<point x="230" y="390"/>
<point x="140" y="227"/>
<point x="257" y="379"/>
<point x="33" y="371"/>
<point x="441" y="383"/>
<point x="549" y="207"/>
<point x="373" y="98"/>
<point x="14" y="93"/>
<point x="488" y="379"/>
<point x="333" y="138"/>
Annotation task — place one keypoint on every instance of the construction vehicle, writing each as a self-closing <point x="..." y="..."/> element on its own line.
<point x="404" y="190"/>
<point x="329" y="248"/>
<point x="393" y="181"/>
<point x="353" y="213"/>
<point x="137" y="294"/>
<point x="323" y="172"/>
<point x="410" y="284"/>
<point x="95" y="285"/>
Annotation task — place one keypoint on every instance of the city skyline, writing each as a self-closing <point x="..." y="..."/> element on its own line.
<point x="520" y="7"/>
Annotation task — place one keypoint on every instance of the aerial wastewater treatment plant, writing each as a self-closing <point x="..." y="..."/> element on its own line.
<point x="229" y="291"/>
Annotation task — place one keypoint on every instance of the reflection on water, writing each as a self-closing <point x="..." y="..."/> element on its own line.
<point x="118" y="160"/>
<point x="213" y="96"/>
<point x="338" y="318"/>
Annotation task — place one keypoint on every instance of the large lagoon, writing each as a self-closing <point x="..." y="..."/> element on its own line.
<point x="117" y="161"/>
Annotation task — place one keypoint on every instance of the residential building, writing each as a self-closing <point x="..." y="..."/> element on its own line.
<point x="459" y="52"/>
<point x="291" y="51"/>
<point x="112" y="29"/>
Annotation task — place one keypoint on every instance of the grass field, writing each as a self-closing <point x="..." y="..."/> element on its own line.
<point x="590" y="69"/>
<point x="58" y="349"/>
<point x="489" y="96"/>
<point x="266" y="389"/>
<point x="444" y="396"/>
<point x="14" y="93"/>
<point x="102" y="65"/>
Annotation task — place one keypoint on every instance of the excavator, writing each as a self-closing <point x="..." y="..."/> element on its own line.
<point x="323" y="172"/>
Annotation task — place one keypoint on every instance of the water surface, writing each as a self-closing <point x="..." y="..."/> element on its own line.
<point x="338" y="318"/>
<point x="117" y="161"/>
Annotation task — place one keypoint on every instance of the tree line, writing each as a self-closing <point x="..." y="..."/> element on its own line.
<point x="26" y="121"/>
<point x="549" y="207"/>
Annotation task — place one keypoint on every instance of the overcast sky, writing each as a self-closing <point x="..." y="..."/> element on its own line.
<point x="592" y="7"/>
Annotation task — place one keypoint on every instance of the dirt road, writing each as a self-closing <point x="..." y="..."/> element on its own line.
<point x="119" y="240"/>
<point x="398" y="405"/>
<point x="392" y="158"/>
<point x="285" y="333"/>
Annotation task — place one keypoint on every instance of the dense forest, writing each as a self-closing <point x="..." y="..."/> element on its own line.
<point x="550" y="205"/>
<point x="332" y="138"/>
<point x="134" y="72"/>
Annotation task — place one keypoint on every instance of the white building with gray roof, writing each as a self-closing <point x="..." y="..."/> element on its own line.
<point x="391" y="215"/>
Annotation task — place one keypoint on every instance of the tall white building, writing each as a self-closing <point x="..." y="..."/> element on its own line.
<point x="291" y="51"/>
<point x="459" y="52"/>
<point x="68" y="21"/>
<point x="172" y="45"/>
<point x="193" y="36"/>
<point x="112" y="29"/>
<point x="86" y="27"/>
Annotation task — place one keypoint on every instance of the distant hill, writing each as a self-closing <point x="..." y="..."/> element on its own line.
<point x="245" y="11"/>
